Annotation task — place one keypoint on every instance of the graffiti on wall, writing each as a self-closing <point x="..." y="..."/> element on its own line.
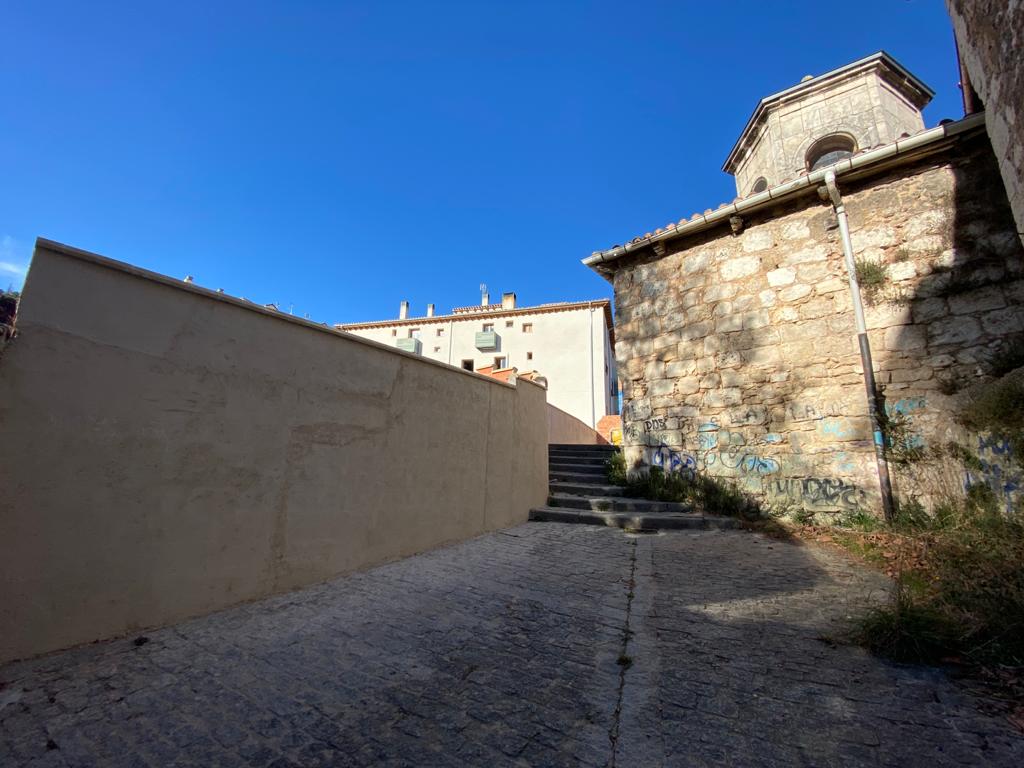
<point x="996" y="469"/>
<point x="671" y="461"/>
<point x="817" y="491"/>
<point x="727" y="449"/>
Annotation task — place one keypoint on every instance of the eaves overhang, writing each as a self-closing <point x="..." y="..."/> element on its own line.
<point x="864" y="164"/>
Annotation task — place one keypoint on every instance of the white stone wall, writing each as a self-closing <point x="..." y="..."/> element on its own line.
<point x="571" y="349"/>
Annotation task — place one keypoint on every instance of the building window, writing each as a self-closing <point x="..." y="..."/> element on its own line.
<point x="440" y="332"/>
<point x="414" y="333"/>
<point x="467" y="365"/>
<point x="394" y="331"/>
<point x="499" y="362"/>
<point x="488" y="327"/>
<point x="509" y="323"/>
<point x="529" y="355"/>
<point x="830" y="149"/>
<point x="527" y="327"/>
<point x="437" y="349"/>
<point x="759" y="186"/>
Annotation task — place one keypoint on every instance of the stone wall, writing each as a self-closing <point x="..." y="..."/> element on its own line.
<point x="171" y="451"/>
<point x="738" y="352"/>
<point x="990" y="35"/>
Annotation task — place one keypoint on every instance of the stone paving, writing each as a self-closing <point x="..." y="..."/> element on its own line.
<point x="544" y="645"/>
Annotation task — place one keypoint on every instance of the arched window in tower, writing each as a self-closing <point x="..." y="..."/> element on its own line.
<point x="759" y="186"/>
<point x="830" y="149"/>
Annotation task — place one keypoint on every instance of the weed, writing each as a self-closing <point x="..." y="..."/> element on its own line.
<point x="904" y="630"/>
<point x="960" y="590"/>
<point x="804" y="516"/>
<point x="902" y="254"/>
<point x="902" y="445"/>
<point x="999" y="411"/>
<point x="871" y="276"/>
<point x="616" y="468"/>
<point x="718" y="496"/>
<point x="911" y="515"/>
<point x="1008" y="357"/>
<point x="859" y="520"/>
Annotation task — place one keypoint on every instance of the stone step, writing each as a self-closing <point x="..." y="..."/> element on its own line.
<point x="633" y="521"/>
<point x="578" y="447"/>
<point x="562" y="476"/>
<point x="615" y="504"/>
<point x="584" y="469"/>
<point x="585" y="489"/>
<point x="593" y="461"/>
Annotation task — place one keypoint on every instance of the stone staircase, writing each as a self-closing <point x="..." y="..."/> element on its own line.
<point x="580" y="493"/>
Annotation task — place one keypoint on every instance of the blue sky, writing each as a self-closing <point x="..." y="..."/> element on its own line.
<point x="337" y="157"/>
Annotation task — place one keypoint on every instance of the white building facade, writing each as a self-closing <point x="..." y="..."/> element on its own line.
<point x="571" y="345"/>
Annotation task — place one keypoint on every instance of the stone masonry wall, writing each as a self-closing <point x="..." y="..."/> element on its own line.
<point x="739" y="355"/>
<point x="990" y="35"/>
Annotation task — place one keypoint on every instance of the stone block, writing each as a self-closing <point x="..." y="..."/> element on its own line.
<point x="781" y="276"/>
<point x="758" y="319"/>
<point x="721" y="291"/>
<point x="695" y="262"/>
<point x="1004" y="321"/>
<point x="873" y="237"/>
<point x="757" y="239"/>
<point x="766" y="298"/>
<point x="817" y="252"/>
<point x="722" y="398"/>
<point x="687" y="385"/>
<point x="900" y="337"/>
<point x="661" y="387"/>
<point x="729" y="323"/>
<point x="901" y="270"/>
<point x="795" y="292"/>
<point x="978" y="300"/>
<point x="679" y="369"/>
<point x="740" y="267"/>
<point x="925" y="310"/>
<point x="954" y="330"/>
<point x="831" y="285"/>
<point x="927" y="223"/>
<point x="795" y="230"/>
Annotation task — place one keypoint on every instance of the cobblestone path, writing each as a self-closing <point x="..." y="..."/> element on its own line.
<point x="545" y="645"/>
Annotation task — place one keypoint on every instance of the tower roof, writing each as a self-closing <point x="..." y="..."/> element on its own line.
<point x="884" y="66"/>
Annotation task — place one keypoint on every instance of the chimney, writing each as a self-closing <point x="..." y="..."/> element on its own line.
<point x="430" y="310"/>
<point x="485" y="299"/>
<point x="403" y="310"/>
<point x="508" y="301"/>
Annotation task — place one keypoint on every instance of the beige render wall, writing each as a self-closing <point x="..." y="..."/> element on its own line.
<point x="566" y="429"/>
<point x="171" y="452"/>
<point x="990" y="36"/>
<point x="739" y="355"/>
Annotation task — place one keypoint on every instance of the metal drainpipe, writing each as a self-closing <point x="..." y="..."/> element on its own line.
<point x="884" y="481"/>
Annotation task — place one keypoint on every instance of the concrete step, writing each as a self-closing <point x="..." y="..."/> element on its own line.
<point x="615" y="504"/>
<point x="562" y="476"/>
<point x="585" y="489"/>
<point x="633" y="521"/>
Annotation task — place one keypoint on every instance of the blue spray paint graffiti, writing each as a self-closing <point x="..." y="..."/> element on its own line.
<point x="996" y="470"/>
